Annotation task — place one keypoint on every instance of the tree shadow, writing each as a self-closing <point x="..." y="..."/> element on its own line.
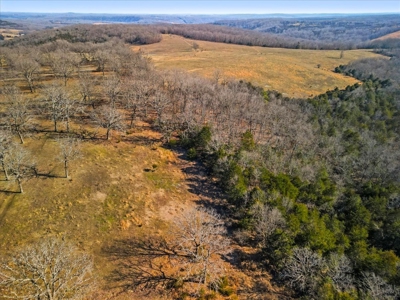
<point x="141" y="265"/>
<point x="7" y="207"/>
<point x="48" y="174"/>
<point x="9" y="191"/>
<point x="202" y="185"/>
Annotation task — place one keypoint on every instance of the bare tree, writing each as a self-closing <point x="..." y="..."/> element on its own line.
<point x="55" y="96"/>
<point x="61" y="105"/>
<point x="130" y="100"/>
<point x="63" y="64"/>
<point x="200" y="238"/>
<point x="160" y="103"/>
<point x="190" y="256"/>
<point x="28" y="67"/>
<point x="69" y="151"/>
<point x="5" y="142"/>
<point x="303" y="269"/>
<point x="18" y="163"/>
<point x="102" y="57"/>
<point x="17" y="112"/>
<point x="143" y="91"/>
<point x="375" y="288"/>
<point x="109" y="118"/>
<point x="267" y="220"/>
<point x="47" y="270"/>
<point x="340" y="270"/>
<point x="87" y="87"/>
<point x="70" y="107"/>
<point x="112" y="88"/>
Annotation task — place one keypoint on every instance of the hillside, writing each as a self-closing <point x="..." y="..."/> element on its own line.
<point x="124" y="180"/>
<point x="394" y="35"/>
<point x="294" y="72"/>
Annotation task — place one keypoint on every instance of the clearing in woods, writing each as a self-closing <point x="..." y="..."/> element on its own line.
<point x="294" y="72"/>
<point x="393" y="35"/>
<point x="9" y="34"/>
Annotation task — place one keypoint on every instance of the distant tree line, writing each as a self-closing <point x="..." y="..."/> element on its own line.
<point x="148" y="34"/>
<point x="342" y="31"/>
<point x="131" y="34"/>
<point x="383" y="69"/>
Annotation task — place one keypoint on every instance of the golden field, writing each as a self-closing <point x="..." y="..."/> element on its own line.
<point x="393" y="35"/>
<point x="294" y="72"/>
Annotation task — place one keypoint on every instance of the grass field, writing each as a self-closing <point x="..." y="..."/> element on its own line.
<point x="393" y="35"/>
<point x="9" y="34"/>
<point x="295" y="72"/>
<point x="117" y="189"/>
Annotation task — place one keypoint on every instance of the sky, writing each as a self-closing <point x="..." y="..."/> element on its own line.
<point x="201" y="6"/>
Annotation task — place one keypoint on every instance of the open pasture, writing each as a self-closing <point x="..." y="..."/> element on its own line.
<point x="294" y="72"/>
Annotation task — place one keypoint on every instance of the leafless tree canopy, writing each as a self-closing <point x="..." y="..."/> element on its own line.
<point x="302" y="269"/>
<point x="50" y="269"/>
<point x="190" y="257"/>
<point x="69" y="151"/>
<point x="267" y="220"/>
<point x="375" y="288"/>
<point x="18" y="163"/>
<point x="17" y="111"/>
<point x="200" y="238"/>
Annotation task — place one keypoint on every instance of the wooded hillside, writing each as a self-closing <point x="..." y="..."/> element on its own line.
<point x="312" y="186"/>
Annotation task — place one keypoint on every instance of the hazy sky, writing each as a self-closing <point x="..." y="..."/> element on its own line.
<point x="200" y="6"/>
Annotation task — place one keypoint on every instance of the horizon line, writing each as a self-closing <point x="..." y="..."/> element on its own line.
<point x="207" y="14"/>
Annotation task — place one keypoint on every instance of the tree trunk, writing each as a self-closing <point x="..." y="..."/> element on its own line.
<point x="108" y="133"/>
<point x="66" y="168"/>
<point x="31" y="85"/>
<point x="4" y="170"/>
<point x="67" y="121"/>
<point x="20" y="185"/>
<point x="55" y="126"/>
<point x="20" y="136"/>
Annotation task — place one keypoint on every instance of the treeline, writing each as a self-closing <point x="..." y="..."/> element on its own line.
<point x="311" y="33"/>
<point x="319" y="196"/>
<point x="344" y="30"/>
<point x="313" y="185"/>
<point x="380" y="68"/>
<point x="317" y="188"/>
<point x="147" y="34"/>
<point x="131" y="34"/>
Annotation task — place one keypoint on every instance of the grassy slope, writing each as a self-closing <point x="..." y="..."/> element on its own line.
<point x="393" y="35"/>
<point x="111" y="194"/>
<point x="290" y="71"/>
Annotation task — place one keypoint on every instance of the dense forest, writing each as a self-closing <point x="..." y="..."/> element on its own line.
<point x="313" y="184"/>
<point x="354" y="29"/>
<point x="354" y="34"/>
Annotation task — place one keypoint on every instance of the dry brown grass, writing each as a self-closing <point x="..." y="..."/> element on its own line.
<point x="111" y="195"/>
<point x="121" y="188"/>
<point x="297" y="73"/>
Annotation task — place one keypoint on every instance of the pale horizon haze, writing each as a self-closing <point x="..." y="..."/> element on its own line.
<point x="200" y="7"/>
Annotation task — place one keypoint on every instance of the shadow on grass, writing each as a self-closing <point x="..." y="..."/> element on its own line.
<point x="201" y="184"/>
<point x="140" y="265"/>
<point x="48" y="175"/>
<point x="9" y="191"/>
